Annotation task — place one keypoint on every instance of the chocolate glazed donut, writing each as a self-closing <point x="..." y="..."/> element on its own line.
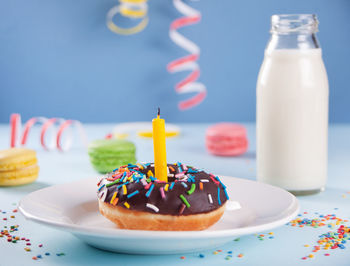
<point x="133" y="198"/>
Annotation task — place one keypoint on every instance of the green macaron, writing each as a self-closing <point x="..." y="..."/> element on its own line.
<point x="108" y="154"/>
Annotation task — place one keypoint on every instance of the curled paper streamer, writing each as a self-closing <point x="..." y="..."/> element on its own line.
<point x="133" y="9"/>
<point x="51" y="133"/>
<point x="189" y="62"/>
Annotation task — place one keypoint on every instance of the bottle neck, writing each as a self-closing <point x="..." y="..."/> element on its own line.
<point x="293" y="31"/>
<point x="293" y="40"/>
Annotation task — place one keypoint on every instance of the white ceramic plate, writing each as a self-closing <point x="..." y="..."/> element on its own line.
<point x="253" y="207"/>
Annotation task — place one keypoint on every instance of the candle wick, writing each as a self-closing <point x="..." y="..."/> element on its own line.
<point x="158" y="112"/>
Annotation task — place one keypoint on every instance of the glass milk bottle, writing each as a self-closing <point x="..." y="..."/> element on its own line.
<point x="292" y="107"/>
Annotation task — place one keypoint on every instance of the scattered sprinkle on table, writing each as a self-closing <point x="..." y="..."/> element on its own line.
<point x="336" y="239"/>
<point x="7" y="232"/>
<point x="329" y="220"/>
<point x="265" y="236"/>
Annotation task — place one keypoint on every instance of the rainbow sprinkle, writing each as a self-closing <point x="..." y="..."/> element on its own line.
<point x="125" y="191"/>
<point x="153" y="207"/>
<point x="201" y="186"/>
<point x="113" y="183"/>
<point x="99" y="189"/>
<point x="132" y="194"/>
<point x="193" y="188"/>
<point x="113" y="197"/>
<point x="182" y="197"/>
<point x="179" y="167"/>
<point x="148" y="185"/>
<point x="210" y="199"/>
<point x="219" y="201"/>
<point x="149" y="191"/>
<point x="161" y="190"/>
<point x="227" y="197"/>
<point x="115" y="201"/>
<point x="182" y="208"/>
<point x="166" y="187"/>
<point x="212" y="178"/>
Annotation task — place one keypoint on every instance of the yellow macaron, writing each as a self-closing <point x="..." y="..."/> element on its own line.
<point x="18" y="166"/>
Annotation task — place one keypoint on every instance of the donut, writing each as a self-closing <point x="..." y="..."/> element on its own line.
<point x="226" y="139"/>
<point x="133" y="198"/>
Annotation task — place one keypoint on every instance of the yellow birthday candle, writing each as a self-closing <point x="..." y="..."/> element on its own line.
<point x="160" y="164"/>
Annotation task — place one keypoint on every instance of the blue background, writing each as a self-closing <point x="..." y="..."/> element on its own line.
<point x="58" y="58"/>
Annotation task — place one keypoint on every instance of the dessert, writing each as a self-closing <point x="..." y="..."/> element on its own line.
<point x="133" y="198"/>
<point x="108" y="154"/>
<point x="226" y="139"/>
<point x="18" y="166"/>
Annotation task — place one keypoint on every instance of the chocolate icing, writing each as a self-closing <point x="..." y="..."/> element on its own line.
<point x="172" y="203"/>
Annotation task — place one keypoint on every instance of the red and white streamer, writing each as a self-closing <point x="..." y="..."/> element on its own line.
<point x="54" y="133"/>
<point x="189" y="62"/>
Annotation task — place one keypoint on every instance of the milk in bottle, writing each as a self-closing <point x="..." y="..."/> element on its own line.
<point x="292" y="107"/>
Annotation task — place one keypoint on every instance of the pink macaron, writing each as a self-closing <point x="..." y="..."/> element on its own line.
<point x="226" y="139"/>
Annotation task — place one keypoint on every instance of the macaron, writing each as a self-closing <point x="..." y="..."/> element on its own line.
<point x="226" y="139"/>
<point x="109" y="154"/>
<point x="18" y="166"/>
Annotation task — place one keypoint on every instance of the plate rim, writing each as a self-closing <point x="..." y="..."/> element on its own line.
<point x="294" y="208"/>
